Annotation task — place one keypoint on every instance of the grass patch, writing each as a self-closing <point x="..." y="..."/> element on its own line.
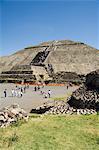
<point x="12" y="139"/>
<point x="59" y="98"/>
<point x="8" y="140"/>
<point x="50" y="132"/>
<point x="64" y="98"/>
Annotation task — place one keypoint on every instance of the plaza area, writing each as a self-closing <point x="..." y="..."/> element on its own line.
<point x="31" y="98"/>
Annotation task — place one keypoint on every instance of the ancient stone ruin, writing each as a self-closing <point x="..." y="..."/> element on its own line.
<point x="92" y="80"/>
<point x="47" y="60"/>
<point x="87" y="96"/>
<point x="12" y="114"/>
<point x="61" y="107"/>
<point x="61" y="77"/>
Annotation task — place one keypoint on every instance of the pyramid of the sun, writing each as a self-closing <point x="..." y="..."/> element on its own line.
<point x="39" y="62"/>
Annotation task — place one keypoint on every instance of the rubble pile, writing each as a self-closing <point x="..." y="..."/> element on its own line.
<point x="87" y="96"/>
<point x="11" y="115"/>
<point x="92" y="80"/>
<point x="61" y="107"/>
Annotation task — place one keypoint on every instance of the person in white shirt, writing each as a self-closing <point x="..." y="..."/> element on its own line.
<point x="13" y="93"/>
<point x="49" y="93"/>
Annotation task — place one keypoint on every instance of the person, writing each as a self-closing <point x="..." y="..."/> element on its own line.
<point x="21" y="93"/>
<point x="67" y="86"/>
<point x="24" y="88"/>
<point x="38" y="87"/>
<point x="35" y="88"/>
<point x="16" y="92"/>
<point x="12" y="91"/>
<point x="41" y="92"/>
<point x="5" y="93"/>
<point x="21" y="89"/>
<point x="45" y="95"/>
<point x="16" y="86"/>
<point x="49" y="93"/>
<point x="27" y="85"/>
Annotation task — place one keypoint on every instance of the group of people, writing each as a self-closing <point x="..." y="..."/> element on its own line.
<point x="17" y="91"/>
<point x="45" y="94"/>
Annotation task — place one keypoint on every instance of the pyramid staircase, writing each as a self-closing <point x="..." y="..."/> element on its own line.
<point x="33" y="70"/>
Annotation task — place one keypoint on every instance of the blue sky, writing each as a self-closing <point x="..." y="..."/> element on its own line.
<point x="27" y="22"/>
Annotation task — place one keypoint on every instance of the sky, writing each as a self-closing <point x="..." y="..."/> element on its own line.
<point x="25" y="23"/>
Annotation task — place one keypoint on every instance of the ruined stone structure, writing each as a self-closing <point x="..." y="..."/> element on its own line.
<point x="45" y="61"/>
<point x="87" y="96"/>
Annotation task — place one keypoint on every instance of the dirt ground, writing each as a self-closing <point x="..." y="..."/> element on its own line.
<point x="30" y="98"/>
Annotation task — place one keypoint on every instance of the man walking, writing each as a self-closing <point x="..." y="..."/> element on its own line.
<point x="49" y="93"/>
<point x="5" y="93"/>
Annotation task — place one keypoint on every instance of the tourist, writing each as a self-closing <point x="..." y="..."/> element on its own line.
<point x="16" y="92"/>
<point x="45" y="95"/>
<point x="5" y="93"/>
<point x="19" y="93"/>
<point x="67" y="86"/>
<point x="35" y="88"/>
<point x="13" y="93"/>
<point x="41" y="92"/>
<point x="16" y="86"/>
<point x="21" y="89"/>
<point x="49" y="93"/>
<point x="38" y="87"/>
<point x="27" y="85"/>
<point x="24" y="88"/>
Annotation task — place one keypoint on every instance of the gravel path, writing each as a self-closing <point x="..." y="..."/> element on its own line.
<point x="31" y="99"/>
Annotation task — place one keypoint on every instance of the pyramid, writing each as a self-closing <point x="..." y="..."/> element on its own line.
<point x="43" y="61"/>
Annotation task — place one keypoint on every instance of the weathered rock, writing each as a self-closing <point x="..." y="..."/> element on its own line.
<point x="12" y="114"/>
<point x="63" y="76"/>
<point x="62" y="107"/>
<point x="92" y="80"/>
<point x="85" y="98"/>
